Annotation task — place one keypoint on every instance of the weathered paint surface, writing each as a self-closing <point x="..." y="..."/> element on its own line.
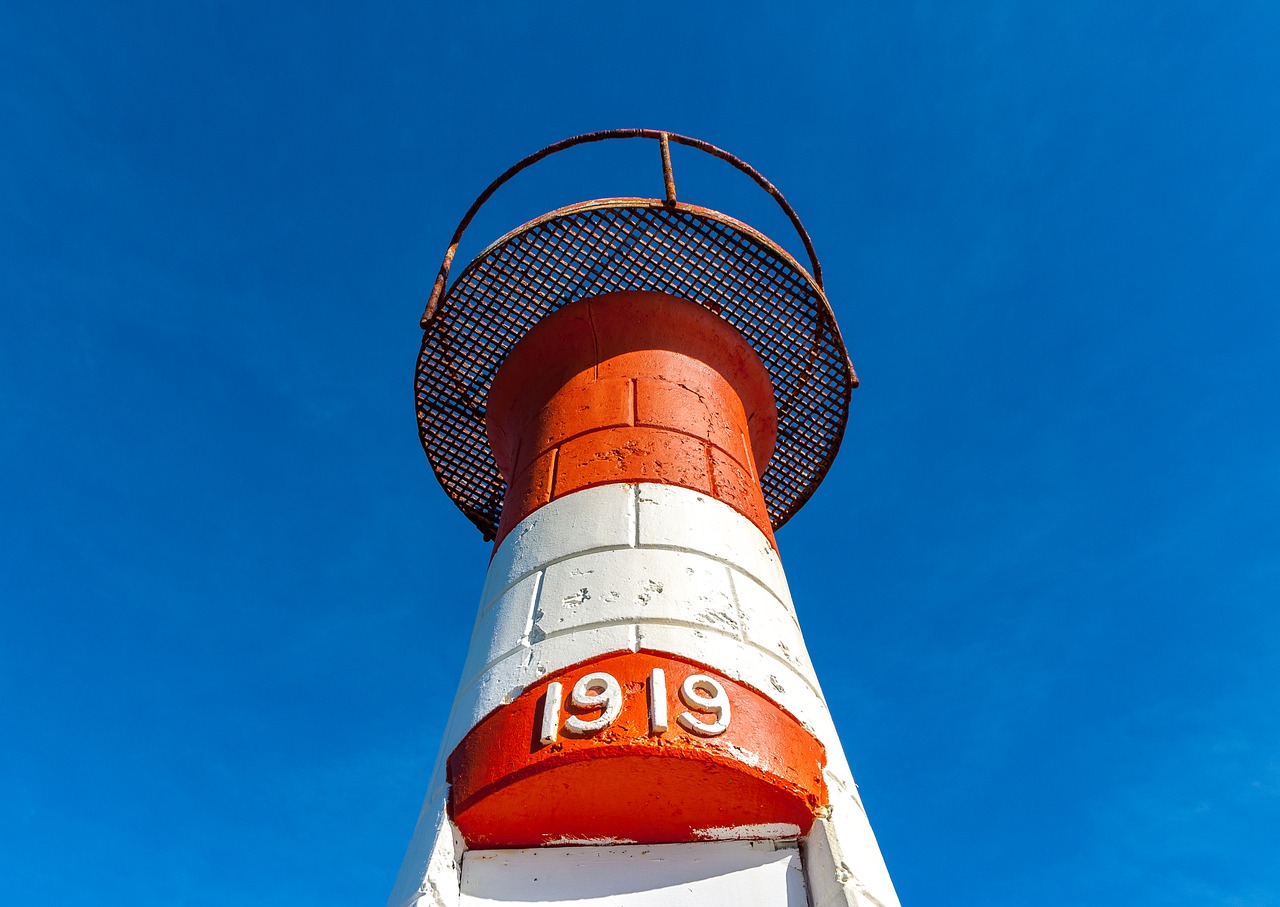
<point x="734" y="874"/>
<point x="636" y="568"/>
<point x="632" y="387"/>
<point x="619" y="543"/>
<point x="664" y="768"/>
<point x="634" y="428"/>
<point x="430" y="873"/>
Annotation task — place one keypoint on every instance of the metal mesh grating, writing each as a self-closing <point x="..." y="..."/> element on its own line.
<point x="632" y="244"/>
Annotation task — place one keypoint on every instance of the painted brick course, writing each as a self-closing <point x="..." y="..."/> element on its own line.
<point x="581" y="401"/>
<point x="712" y="528"/>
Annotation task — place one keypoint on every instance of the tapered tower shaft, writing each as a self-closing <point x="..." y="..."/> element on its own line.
<point x="638" y="721"/>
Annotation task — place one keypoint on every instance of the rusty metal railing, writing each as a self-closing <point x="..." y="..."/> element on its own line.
<point x="668" y="179"/>
<point x="626" y="243"/>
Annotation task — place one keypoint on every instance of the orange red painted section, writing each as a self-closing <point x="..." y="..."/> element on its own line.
<point x="629" y="781"/>
<point x="632" y="387"/>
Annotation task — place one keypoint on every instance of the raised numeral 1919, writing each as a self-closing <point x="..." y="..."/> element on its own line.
<point x="602" y="691"/>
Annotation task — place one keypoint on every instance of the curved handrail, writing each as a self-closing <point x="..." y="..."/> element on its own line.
<point x="663" y="138"/>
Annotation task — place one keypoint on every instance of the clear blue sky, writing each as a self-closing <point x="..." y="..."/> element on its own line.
<point x="1040" y="584"/>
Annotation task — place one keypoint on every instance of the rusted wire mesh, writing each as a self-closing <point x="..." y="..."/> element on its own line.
<point x="632" y="244"/>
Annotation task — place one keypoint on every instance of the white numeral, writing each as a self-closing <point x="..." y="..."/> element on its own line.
<point x="551" y="713"/>
<point x="706" y="695"/>
<point x="657" y="702"/>
<point x="602" y="691"/>
<point x="595" y="691"/>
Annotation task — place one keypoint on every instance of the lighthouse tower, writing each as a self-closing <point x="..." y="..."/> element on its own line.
<point x="628" y="396"/>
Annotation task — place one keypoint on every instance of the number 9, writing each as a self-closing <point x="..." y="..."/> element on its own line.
<point x="585" y="696"/>
<point x="706" y="695"/>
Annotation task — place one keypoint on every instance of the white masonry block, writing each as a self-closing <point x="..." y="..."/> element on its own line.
<point x="602" y="517"/>
<point x="638" y="586"/>
<point x="770" y="624"/>
<point x="720" y="873"/>
<point x="672" y="517"/>
<point x="844" y="870"/>
<point x="430" y="874"/>
<point x="501" y="628"/>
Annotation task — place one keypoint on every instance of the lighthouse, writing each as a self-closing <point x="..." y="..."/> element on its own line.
<point x="628" y="396"/>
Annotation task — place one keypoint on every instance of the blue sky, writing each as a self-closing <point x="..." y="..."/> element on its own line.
<point x="1040" y="584"/>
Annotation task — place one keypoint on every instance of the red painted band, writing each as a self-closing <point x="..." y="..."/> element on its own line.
<point x="628" y="781"/>
<point x="632" y="387"/>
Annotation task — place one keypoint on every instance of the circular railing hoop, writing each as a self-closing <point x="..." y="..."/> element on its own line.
<point x="664" y="139"/>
